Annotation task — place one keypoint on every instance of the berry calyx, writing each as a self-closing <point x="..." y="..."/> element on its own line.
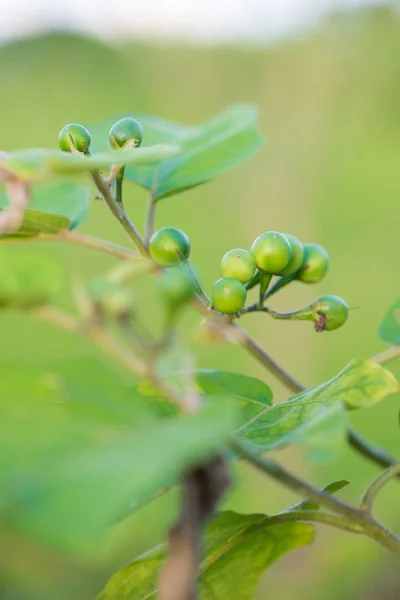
<point x="176" y="286"/>
<point x="169" y="246"/>
<point x="297" y="255"/>
<point x="125" y="133"/>
<point x="315" y="264"/>
<point x="238" y="264"/>
<point x="74" y="136"/>
<point x="329" y="313"/>
<point x="272" y="252"/>
<point x="228" y="295"/>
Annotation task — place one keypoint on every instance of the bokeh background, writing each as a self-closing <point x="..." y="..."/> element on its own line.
<point x="326" y="78"/>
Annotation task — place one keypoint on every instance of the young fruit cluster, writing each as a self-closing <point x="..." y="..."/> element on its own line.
<point x="125" y="133"/>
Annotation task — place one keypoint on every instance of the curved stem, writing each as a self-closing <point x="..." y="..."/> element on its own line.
<point x="265" y="280"/>
<point x="197" y="283"/>
<point x="150" y="218"/>
<point x="118" y="211"/>
<point x="365" y="523"/>
<point x="379" y="456"/>
<point x="281" y="283"/>
<point x="375" y="487"/>
<point x="387" y="355"/>
<point x="317" y="517"/>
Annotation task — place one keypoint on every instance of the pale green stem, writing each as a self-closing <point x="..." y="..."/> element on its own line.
<point x="376" y="486"/>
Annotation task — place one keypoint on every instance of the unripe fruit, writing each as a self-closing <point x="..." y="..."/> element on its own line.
<point x="238" y="264"/>
<point x="125" y="131"/>
<point x="315" y="264"/>
<point x="297" y="255"/>
<point x="228" y="295"/>
<point x="169" y="246"/>
<point x="177" y="286"/>
<point x="271" y="251"/>
<point x="74" y="135"/>
<point x="330" y="312"/>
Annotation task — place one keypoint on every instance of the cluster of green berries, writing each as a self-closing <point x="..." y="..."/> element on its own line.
<point x="125" y="133"/>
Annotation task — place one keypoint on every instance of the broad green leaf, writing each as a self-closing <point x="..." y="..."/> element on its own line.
<point x="237" y="550"/>
<point x="316" y="417"/>
<point x="389" y="329"/>
<point x="249" y="394"/>
<point x="54" y="207"/>
<point x="28" y="280"/>
<point x="74" y="457"/>
<point x="44" y="163"/>
<point x="207" y="149"/>
<point x="331" y="488"/>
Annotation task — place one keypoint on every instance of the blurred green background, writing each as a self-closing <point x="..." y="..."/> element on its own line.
<point x="329" y="173"/>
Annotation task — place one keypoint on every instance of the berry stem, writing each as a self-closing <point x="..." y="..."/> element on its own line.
<point x="376" y="486"/>
<point x="265" y="280"/>
<point x="197" y="283"/>
<point x="119" y="180"/>
<point x="118" y="211"/>
<point x="279" y="284"/>
<point x="253" y="282"/>
<point x="150" y="218"/>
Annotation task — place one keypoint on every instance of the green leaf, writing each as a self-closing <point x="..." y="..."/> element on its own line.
<point x="207" y="149"/>
<point x="54" y="207"/>
<point x="316" y="417"/>
<point x="28" y="280"/>
<point x="389" y="329"/>
<point x="44" y="163"/>
<point x="74" y="457"/>
<point x="237" y="550"/>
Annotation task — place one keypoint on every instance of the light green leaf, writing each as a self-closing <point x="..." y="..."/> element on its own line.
<point x="316" y="417"/>
<point x="76" y="456"/>
<point x="389" y="329"/>
<point x="54" y="207"/>
<point x="44" y="163"/>
<point x="237" y="550"/>
<point x="207" y="149"/>
<point x="28" y="280"/>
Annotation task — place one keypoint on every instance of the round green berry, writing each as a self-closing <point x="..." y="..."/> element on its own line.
<point x="330" y="312"/>
<point x="176" y="286"/>
<point x="238" y="264"/>
<point x="297" y="255"/>
<point x="74" y="136"/>
<point x="228" y="295"/>
<point x="315" y="264"/>
<point x="125" y="131"/>
<point x="169" y="246"/>
<point x="272" y="252"/>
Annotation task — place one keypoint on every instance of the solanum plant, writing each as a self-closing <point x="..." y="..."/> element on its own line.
<point x="106" y="450"/>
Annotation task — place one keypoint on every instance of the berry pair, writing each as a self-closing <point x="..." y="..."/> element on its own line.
<point x="125" y="133"/>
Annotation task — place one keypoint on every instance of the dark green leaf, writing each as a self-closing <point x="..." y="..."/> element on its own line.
<point x="74" y="457"/>
<point x="207" y="149"/>
<point x="237" y="550"/>
<point x="43" y="163"/>
<point x="316" y="417"/>
<point x="389" y="329"/>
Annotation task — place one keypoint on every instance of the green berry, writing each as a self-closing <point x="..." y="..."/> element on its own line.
<point x="297" y="255"/>
<point x="315" y="264"/>
<point x="177" y="286"/>
<point x="125" y="131"/>
<point x="238" y="264"/>
<point x="74" y="136"/>
<point x="272" y="252"/>
<point x="329" y="312"/>
<point x="228" y="295"/>
<point x="169" y="246"/>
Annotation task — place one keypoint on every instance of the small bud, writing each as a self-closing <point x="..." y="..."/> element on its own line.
<point x="74" y="137"/>
<point x="125" y="133"/>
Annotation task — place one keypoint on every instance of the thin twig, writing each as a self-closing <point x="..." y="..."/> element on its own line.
<point x="317" y="517"/>
<point x="150" y="218"/>
<point x="118" y="211"/>
<point x="375" y="487"/>
<point x="387" y="355"/>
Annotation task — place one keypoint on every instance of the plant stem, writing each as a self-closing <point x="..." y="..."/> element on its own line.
<point x="317" y="517"/>
<point x="358" y="517"/>
<point x="387" y="355"/>
<point x="119" y="181"/>
<point x="265" y="280"/>
<point x="253" y="282"/>
<point x="377" y="455"/>
<point x="118" y="211"/>
<point x="150" y="218"/>
<point x="281" y="283"/>
<point x="197" y="283"/>
<point x="375" y="487"/>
